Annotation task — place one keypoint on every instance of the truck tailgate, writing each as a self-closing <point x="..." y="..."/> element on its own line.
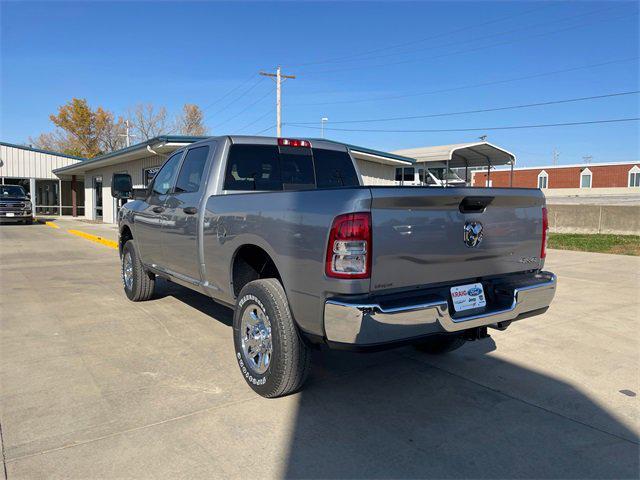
<point x="418" y="234"/>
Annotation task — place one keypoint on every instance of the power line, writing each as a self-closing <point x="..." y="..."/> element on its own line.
<point x="246" y="108"/>
<point x="476" y="85"/>
<point x="476" y="49"/>
<point x="255" y="121"/>
<point x="425" y="39"/>
<point x="237" y="87"/>
<point x="483" y="110"/>
<point x="266" y="129"/>
<point x="509" y="127"/>
<point x="475" y="40"/>
<point x="235" y="100"/>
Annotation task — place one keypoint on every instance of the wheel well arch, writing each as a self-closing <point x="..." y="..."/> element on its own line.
<point x="125" y="236"/>
<point x="251" y="262"/>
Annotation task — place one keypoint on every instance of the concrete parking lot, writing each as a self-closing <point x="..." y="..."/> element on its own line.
<point x="94" y="386"/>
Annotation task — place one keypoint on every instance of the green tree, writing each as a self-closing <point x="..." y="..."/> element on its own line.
<point x="82" y="131"/>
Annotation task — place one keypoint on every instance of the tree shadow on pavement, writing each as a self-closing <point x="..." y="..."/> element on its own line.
<point x="401" y="414"/>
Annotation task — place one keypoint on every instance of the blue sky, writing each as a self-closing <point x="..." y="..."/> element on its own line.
<point x="349" y="57"/>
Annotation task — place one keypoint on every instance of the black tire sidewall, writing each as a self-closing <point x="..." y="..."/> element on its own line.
<point x="130" y="248"/>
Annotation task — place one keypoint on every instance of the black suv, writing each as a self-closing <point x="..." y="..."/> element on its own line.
<point x="15" y="205"/>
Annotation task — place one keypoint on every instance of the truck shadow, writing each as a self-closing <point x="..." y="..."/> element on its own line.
<point x="468" y="414"/>
<point x="200" y="302"/>
<point x="402" y="414"/>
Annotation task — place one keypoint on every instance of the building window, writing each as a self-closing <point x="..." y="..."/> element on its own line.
<point x="488" y="183"/>
<point x="148" y="174"/>
<point x="585" y="178"/>
<point x="543" y="179"/>
<point x="406" y="174"/>
<point x="634" y="177"/>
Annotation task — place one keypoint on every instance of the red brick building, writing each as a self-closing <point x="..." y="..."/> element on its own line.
<point x="596" y="175"/>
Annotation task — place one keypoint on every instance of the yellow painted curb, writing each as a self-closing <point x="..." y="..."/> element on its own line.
<point x="94" y="238"/>
<point x="51" y="224"/>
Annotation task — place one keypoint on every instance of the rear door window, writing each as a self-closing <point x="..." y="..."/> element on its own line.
<point x="192" y="170"/>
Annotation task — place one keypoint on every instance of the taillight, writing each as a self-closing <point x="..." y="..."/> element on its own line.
<point x="349" y="248"/>
<point x="545" y="232"/>
<point x="290" y="142"/>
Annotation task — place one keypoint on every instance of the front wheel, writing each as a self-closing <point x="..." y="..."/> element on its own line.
<point x="138" y="284"/>
<point x="273" y="358"/>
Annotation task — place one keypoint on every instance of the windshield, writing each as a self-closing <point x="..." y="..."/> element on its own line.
<point x="11" y="191"/>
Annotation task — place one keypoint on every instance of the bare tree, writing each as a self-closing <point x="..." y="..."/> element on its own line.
<point x="148" y="121"/>
<point x="112" y="135"/>
<point x="191" y="121"/>
<point x="54" y="141"/>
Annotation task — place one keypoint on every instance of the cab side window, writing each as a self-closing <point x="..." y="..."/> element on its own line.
<point x="163" y="179"/>
<point x="192" y="170"/>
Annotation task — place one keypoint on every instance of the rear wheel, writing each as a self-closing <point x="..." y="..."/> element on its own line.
<point x="439" y="344"/>
<point x="273" y="358"/>
<point x="138" y="284"/>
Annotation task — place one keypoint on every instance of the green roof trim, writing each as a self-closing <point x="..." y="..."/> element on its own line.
<point x="40" y="150"/>
<point x="138" y="146"/>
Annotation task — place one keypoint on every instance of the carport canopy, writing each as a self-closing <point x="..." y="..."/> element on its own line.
<point x="461" y="155"/>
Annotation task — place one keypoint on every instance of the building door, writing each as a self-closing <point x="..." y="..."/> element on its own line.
<point x="97" y="196"/>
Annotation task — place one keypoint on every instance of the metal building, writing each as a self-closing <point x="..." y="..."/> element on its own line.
<point x="32" y="168"/>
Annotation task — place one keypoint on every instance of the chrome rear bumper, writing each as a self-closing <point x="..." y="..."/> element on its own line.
<point x="371" y="323"/>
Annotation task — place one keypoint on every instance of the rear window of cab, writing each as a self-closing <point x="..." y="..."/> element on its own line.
<point x="273" y="168"/>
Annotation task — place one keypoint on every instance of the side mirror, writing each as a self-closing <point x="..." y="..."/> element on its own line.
<point x="121" y="186"/>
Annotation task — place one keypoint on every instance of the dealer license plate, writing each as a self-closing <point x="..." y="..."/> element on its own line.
<point x="466" y="297"/>
<point x="10" y="214"/>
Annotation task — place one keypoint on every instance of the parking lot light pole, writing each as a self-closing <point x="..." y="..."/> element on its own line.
<point x="322" y="122"/>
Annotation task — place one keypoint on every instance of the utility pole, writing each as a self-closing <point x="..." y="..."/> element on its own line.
<point x="587" y="158"/>
<point x="127" y="135"/>
<point x="322" y="122"/>
<point x="556" y="155"/>
<point x="278" y="76"/>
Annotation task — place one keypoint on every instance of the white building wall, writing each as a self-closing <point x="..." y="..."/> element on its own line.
<point x="135" y="168"/>
<point x="376" y="173"/>
<point x="23" y="163"/>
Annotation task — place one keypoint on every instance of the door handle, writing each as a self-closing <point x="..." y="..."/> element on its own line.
<point x="190" y="210"/>
<point x="158" y="209"/>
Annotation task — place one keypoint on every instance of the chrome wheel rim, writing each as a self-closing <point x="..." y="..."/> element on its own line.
<point x="255" y="331"/>
<point x="127" y="271"/>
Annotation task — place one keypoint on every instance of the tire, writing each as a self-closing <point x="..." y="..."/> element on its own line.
<point x="262" y="306"/>
<point x="28" y="221"/>
<point x="139" y="286"/>
<point x="439" y="344"/>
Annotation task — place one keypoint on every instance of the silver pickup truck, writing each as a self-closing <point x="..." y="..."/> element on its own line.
<point x="284" y="232"/>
